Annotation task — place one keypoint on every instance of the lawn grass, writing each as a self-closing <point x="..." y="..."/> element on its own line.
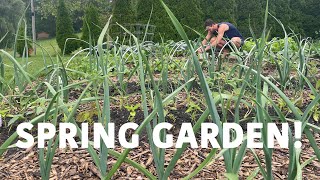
<point x="45" y="49"/>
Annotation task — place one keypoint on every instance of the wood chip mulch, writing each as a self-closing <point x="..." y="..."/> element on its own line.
<point x="77" y="164"/>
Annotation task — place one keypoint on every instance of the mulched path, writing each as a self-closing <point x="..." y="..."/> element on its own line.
<point x="77" y="164"/>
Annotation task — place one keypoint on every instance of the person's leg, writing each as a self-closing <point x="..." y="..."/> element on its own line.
<point x="220" y="44"/>
<point x="236" y="41"/>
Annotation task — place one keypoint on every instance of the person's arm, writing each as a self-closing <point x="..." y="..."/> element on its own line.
<point x="208" y="37"/>
<point x="223" y="28"/>
<point x="205" y="41"/>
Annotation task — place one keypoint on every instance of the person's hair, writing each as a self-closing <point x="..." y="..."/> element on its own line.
<point x="209" y="22"/>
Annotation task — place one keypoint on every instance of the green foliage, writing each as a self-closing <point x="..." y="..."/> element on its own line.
<point x="192" y="19"/>
<point x="301" y="16"/>
<point x="49" y="7"/>
<point x="65" y="29"/>
<point x="10" y="13"/>
<point x="23" y="44"/>
<point x="207" y="7"/>
<point x="132" y="109"/>
<point x="257" y="93"/>
<point x="248" y="45"/>
<point x="91" y="25"/>
<point x="164" y="29"/>
<point x="249" y="11"/>
<point x="224" y="11"/>
<point x="123" y="12"/>
<point x="281" y="10"/>
<point x="310" y="20"/>
<point x="280" y="44"/>
<point x="47" y="24"/>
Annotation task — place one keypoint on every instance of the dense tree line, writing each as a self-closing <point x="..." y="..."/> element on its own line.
<point x="300" y="16"/>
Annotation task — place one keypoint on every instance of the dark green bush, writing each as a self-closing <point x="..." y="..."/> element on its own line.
<point x="22" y="42"/>
<point x="123" y="13"/>
<point x="164" y="26"/>
<point x="90" y="25"/>
<point x="65" y="29"/>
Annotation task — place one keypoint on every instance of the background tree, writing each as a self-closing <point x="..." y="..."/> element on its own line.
<point x="281" y="10"/>
<point x="224" y="11"/>
<point x="310" y="21"/>
<point x="189" y="13"/>
<point x="47" y="9"/>
<point x="252" y="11"/>
<point x="10" y="13"/>
<point x="164" y="28"/>
<point x="207" y="7"/>
<point x="123" y="14"/>
<point x="297" y="16"/>
<point x="91" y="25"/>
<point x="65" y="29"/>
<point x="23" y="43"/>
<point x="47" y="24"/>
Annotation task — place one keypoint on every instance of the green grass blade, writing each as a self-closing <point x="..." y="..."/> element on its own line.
<point x="313" y="143"/>
<point x="262" y="170"/>
<point x="239" y="157"/>
<point x="253" y="174"/>
<point x="203" y="164"/>
<point x="304" y="164"/>
<point x="299" y="169"/>
<point x="1" y="74"/>
<point x="141" y="73"/>
<point x="19" y="67"/>
<point x="106" y="103"/>
<point x="134" y="164"/>
<point x="179" y="152"/>
<point x="126" y="151"/>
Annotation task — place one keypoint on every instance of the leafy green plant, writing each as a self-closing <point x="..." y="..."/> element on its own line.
<point x="193" y="109"/>
<point x="132" y="109"/>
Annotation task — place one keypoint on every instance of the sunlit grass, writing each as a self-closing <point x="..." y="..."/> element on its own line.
<point x="36" y="62"/>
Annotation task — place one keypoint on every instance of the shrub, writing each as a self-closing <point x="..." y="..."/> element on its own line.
<point x="193" y="17"/>
<point x="65" y="29"/>
<point x="160" y="19"/>
<point x="90" y="25"/>
<point x="22" y="41"/>
<point x="123" y="14"/>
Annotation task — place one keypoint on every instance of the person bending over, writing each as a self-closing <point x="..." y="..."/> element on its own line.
<point x="224" y="30"/>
